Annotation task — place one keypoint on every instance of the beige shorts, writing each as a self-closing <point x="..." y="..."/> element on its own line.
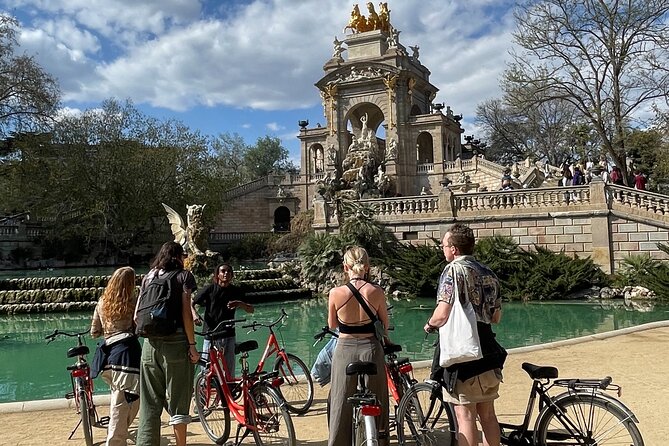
<point x="479" y="389"/>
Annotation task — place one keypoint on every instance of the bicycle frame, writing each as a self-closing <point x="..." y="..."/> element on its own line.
<point x="218" y="368"/>
<point x="272" y="346"/>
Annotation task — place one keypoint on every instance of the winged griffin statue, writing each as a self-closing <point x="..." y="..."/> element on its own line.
<point x="193" y="237"/>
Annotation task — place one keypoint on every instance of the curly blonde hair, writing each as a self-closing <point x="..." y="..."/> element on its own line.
<point x="118" y="299"/>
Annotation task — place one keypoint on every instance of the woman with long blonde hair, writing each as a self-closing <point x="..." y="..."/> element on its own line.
<point x="118" y="355"/>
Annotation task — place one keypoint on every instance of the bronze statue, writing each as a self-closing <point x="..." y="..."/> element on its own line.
<point x="384" y="17"/>
<point x="357" y="22"/>
<point x="373" y="21"/>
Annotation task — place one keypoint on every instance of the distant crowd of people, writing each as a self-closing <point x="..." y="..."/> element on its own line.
<point x="575" y="174"/>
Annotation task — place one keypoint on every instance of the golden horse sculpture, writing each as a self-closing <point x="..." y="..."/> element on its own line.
<point x="358" y="23"/>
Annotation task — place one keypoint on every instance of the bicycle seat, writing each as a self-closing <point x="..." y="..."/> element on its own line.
<point x="246" y="346"/>
<point x="76" y="351"/>
<point x="361" y="368"/>
<point x="539" y="371"/>
<point x="392" y="348"/>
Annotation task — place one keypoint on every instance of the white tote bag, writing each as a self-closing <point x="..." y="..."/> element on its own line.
<point x="459" y="337"/>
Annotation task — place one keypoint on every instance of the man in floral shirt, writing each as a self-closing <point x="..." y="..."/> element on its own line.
<point x="471" y="386"/>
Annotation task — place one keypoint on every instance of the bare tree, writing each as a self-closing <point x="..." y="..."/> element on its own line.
<point x="542" y="130"/>
<point x="608" y="58"/>
<point x="29" y="97"/>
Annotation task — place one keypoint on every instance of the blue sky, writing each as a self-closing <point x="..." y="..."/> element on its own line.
<point x="248" y="66"/>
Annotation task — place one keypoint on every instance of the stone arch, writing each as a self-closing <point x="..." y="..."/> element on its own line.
<point x="281" y="219"/>
<point x="317" y="158"/>
<point x="375" y="120"/>
<point x="415" y="110"/>
<point x="424" y="148"/>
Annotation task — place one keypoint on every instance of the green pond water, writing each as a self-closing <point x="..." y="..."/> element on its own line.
<point x="32" y="370"/>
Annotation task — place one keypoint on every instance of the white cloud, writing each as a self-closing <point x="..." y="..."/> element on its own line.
<point x="263" y="54"/>
<point x="273" y="126"/>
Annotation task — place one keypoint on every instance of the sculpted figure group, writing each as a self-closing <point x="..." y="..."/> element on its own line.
<point x="360" y="24"/>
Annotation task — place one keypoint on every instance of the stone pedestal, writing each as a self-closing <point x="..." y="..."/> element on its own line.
<point x="367" y="45"/>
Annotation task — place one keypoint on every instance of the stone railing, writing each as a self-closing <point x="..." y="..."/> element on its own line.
<point x="318" y="176"/>
<point x="422" y="205"/>
<point x="246" y="188"/>
<point x="624" y="198"/>
<point x="596" y="197"/>
<point x="425" y="168"/>
<point x="522" y="199"/>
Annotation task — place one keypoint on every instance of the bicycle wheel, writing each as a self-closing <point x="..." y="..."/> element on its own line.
<point x="85" y="414"/>
<point x="212" y="409"/>
<point x="598" y="421"/>
<point x="298" y="386"/>
<point x="358" y="432"/>
<point x="424" y="419"/>
<point x="273" y="425"/>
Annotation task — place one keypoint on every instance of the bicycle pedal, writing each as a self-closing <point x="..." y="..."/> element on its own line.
<point x="103" y="422"/>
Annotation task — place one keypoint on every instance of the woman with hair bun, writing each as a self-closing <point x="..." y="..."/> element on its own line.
<point x="357" y="342"/>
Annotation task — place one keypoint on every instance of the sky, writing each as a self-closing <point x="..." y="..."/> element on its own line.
<point x="248" y="66"/>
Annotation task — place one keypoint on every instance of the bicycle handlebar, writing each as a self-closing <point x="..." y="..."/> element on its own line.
<point x="255" y="324"/>
<point x="222" y="326"/>
<point x="324" y="332"/>
<point x="57" y="333"/>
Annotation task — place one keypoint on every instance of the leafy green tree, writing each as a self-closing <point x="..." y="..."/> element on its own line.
<point x="102" y="175"/>
<point x="607" y="58"/>
<point x="29" y="97"/>
<point x="268" y="155"/>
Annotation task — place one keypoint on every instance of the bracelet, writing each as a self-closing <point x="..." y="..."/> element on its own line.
<point x="192" y="343"/>
<point x="431" y="326"/>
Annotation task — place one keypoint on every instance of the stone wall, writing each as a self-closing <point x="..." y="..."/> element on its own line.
<point x="605" y="222"/>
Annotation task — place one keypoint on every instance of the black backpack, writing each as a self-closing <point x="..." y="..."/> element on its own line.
<point x="158" y="313"/>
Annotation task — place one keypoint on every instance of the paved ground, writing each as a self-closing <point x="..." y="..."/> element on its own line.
<point x="637" y="360"/>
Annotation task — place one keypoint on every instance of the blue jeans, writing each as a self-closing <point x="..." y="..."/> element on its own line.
<point x="227" y="345"/>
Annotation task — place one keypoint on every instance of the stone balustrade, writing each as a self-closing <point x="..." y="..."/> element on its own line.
<point x="624" y="198"/>
<point x="246" y="188"/>
<point x="522" y="200"/>
<point x="421" y="205"/>
<point x="603" y="221"/>
<point x="425" y="168"/>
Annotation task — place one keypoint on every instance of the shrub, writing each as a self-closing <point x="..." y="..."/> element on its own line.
<point x="414" y="269"/>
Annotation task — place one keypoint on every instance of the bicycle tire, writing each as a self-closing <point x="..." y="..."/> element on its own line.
<point x="270" y="417"/>
<point x="212" y="409"/>
<point x="85" y="414"/>
<point x="600" y="421"/>
<point x="424" y="418"/>
<point x="297" y="388"/>
<point x="358" y="437"/>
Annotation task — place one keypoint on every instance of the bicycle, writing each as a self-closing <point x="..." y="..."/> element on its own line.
<point x="82" y="387"/>
<point x="365" y="406"/>
<point x="581" y="415"/>
<point x="399" y="371"/>
<point x="254" y="402"/>
<point x="297" y="387"/>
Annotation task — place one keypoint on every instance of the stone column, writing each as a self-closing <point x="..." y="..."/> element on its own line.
<point x="600" y="226"/>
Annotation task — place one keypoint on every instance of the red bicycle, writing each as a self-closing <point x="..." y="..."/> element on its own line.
<point x="297" y="387"/>
<point x="82" y="387"/>
<point x="252" y="399"/>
